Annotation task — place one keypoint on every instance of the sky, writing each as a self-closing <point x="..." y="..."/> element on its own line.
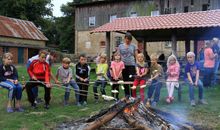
<point x="56" y="7"/>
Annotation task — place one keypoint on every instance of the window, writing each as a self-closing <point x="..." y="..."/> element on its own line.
<point x="168" y="4"/>
<point x="155" y="13"/>
<point x="102" y="44"/>
<point x="192" y="2"/>
<point x="174" y="10"/>
<point x="133" y="14"/>
<point x="88" y="45"/>
<point x="112" y="17"/>
<point x="186" y="9"/>
<point x="91" y="21"/>
<point x="205" y="7"/>
<point x="5" y="49"/>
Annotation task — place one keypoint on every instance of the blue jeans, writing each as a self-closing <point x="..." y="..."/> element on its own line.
<point x="13" y="89"/>
<point x="191" y="90"/>
<point x="67" y="92"/>
<point x="155" y="85"/>
<point x="102" y="89"/>
<point x="215" y="71"/>
<point x="208" y="76"/>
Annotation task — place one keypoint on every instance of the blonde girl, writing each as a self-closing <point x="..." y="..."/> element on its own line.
<point x="116" y="72"/>
<point x="140" y="78"/>
<point x="9" y="80"/>
<point x="173" y="71"/>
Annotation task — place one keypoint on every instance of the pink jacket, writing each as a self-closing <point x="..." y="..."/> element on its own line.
<point x="173" y="72"/>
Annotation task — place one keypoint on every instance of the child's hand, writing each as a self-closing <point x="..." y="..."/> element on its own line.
<point x="57" y="81"/>
<point x="34" y="78"/>
<point x="48" y="85"/>
<point x="15" y="81"/>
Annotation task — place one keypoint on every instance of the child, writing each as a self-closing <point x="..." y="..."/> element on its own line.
<point x="192" y="78"/>
<point x="82" y="78"/>
<point x="39" y="71"/>
<point x="116" y="73"/>
<point x="65" y="73"/>
<point x="50" y="57"/>
<point x="173" y="71"/>
<point x="156" y="71"/>
<point x="101" y="72"/>
<point x="140" y="79"/>
<point x="9" y="80"/>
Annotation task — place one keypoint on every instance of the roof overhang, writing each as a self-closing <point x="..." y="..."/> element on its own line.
<point x="193" y="25"/>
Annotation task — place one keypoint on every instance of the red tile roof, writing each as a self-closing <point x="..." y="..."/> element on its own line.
<point x="11" y="27"/>
<point x="170" y="21"/>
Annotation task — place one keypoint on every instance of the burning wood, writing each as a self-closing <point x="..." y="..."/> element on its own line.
<point x="131" y="114"/>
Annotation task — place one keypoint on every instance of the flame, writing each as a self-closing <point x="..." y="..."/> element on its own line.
<point x="130" y="110"/>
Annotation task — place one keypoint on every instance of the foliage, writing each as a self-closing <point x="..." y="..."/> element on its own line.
<point x="32" y="10"/>
<point x="65" y="28"/>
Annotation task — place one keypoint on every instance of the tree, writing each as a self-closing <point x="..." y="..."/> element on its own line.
<point x="65" y="28"/>
<point x="32" y="10"/>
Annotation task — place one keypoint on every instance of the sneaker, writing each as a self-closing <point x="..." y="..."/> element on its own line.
<point x="66" y="103"/>
<point x="84" y="103"/>
<point x="96" y="101"/>
<point x="192" y="103"/>
<point x="154" y="104"/>
<point x="38" y="101"/>
<point x="19" y="109"/>
<point x="78" y="104"/>
<point x="148" y="103"/>
<point x="168" y="100"/>
<point x="47" y="106"/>
<point x="171" y="99"/>
<point x="10" y="110"/>
<point x="34" y="106"/>
<point x="202" y="101"/>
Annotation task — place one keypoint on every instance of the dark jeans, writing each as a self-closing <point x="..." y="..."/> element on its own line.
<point x="83" y="87"/>
<point x="102" y="89"/>
<point x="115" y="87"/>
<point x="191" y="90"/>
<point x="154" y="88"/>
<point x="129" y="70"/>
<point x="30" y="94"/>
<point x="75" y="87"/>
<point x="208" y="76"/>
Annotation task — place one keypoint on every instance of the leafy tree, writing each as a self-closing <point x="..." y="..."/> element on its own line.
<point x="65" y="28"/>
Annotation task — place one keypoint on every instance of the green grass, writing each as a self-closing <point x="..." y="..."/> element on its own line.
<point x="207" y="115"/>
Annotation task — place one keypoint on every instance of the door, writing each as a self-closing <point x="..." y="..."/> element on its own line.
<point x="20" y="55"/>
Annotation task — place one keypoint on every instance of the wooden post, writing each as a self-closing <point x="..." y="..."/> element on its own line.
<point x="108" y="45"/>
<point x="195" y="47"/>
<point x="174" y="43"/>
<point x="187" y="45"/>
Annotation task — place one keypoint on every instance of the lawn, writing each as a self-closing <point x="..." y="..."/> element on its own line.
<point x="206" y="115"/>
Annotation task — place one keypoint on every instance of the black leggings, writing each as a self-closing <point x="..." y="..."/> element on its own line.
<point x="129" y="70"/>
<point x="84" y="87"/>
<point x="30" y="93"/>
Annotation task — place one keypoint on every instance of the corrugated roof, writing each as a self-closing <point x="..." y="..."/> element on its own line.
<point x="17" y="28"/>
<point x="170" y="21"/>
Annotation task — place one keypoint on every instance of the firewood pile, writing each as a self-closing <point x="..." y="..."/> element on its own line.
<point x="129" y="114"/>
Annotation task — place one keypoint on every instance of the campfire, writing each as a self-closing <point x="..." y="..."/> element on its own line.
<point x="130" y="114"/>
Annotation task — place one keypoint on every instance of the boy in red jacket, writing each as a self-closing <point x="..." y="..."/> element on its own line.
<point x="39" y="72"/>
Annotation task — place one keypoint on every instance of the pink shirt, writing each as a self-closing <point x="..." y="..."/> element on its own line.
<point x="209" y="62"/>
<point x="117" y="67"/>
<point x="173" y="72"/>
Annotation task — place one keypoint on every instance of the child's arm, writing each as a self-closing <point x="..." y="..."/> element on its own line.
<point x="137" y="71"/>
<point x="197" y="77"/>
<point x="69" y="75"/>
<point x="189" y="78"/>
<point x="145" y="72"/>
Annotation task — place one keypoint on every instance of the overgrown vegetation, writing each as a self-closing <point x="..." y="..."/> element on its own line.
<point x="206" y="115"/>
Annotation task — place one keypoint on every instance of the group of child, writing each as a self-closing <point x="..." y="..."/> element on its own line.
<point x="40" y="73"/>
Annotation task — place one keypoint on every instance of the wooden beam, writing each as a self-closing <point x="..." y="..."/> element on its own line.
<point x="108" y="45"/>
